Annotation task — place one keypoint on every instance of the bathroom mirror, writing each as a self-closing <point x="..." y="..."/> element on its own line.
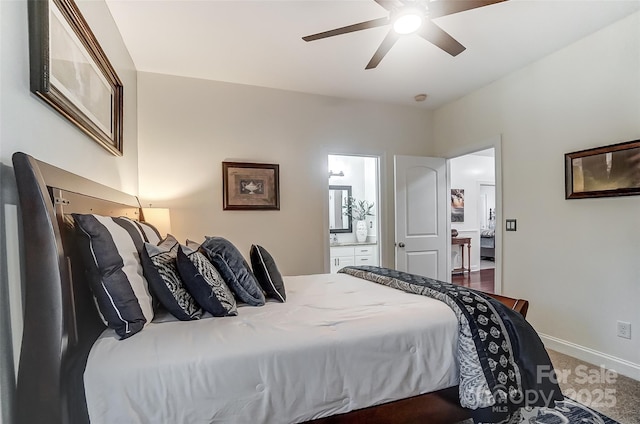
<point x="338" y="195"/>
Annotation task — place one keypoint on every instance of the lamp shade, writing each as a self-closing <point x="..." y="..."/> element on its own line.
<point x="159" y="218"/>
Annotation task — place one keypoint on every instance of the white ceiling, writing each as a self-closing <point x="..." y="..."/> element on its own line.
<point x="259" y="43"/>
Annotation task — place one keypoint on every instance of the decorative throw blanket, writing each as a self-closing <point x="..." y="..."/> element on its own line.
<point x="503" y="363"/>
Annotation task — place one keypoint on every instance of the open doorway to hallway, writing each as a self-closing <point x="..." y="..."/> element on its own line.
<point x="473" y="219"/>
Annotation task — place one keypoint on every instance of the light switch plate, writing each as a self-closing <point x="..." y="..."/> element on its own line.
<point x="511" y="225"/>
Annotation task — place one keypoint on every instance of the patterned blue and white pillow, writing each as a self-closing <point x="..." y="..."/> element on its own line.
<point x="160" y="268"/>
<point x="111" y="248"/>
<point x="205" y="283"/>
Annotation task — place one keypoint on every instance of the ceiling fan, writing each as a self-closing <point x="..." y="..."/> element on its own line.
<point x="411" y="17"/>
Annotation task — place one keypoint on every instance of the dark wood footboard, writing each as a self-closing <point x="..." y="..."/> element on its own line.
<point x="441" y="407"/>
<point x="518" y="305"/>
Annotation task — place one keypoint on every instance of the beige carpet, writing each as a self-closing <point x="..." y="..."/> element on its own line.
<point x="615" y="396"/>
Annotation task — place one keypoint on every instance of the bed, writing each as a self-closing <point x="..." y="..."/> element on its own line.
<point x="488" y="244"/>
<point x="66" y="350"/>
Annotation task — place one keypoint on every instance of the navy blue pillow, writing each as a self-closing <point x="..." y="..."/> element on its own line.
<point x="267" y="273"/>
<point x="205" y="283"/>
<point x="160" y="269"/>
<point x="234" y="270"/>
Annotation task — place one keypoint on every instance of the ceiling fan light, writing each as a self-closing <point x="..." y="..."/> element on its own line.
<point x="407" y="23"/>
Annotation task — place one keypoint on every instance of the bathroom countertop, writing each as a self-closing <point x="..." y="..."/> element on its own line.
<point x="353" y="243"/>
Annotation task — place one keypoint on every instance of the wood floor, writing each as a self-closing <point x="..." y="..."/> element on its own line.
<point x="481" y="280"/>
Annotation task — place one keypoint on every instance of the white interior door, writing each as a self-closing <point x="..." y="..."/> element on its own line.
<point x="421" y="220"/>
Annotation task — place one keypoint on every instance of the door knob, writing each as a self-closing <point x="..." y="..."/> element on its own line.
<point x="401" y="244"/>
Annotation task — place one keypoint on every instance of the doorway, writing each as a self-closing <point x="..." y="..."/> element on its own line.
<point x="354" y="210"/>
<point x="487" y="222"/>
<point x="472" y="177"/>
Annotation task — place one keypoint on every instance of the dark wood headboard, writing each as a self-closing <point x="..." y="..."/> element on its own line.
<point x="61" y="322"/>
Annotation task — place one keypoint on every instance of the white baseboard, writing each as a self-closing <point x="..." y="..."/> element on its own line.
<point x="619" y="365"/>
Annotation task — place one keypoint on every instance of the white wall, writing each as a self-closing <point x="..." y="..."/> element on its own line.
<point x="27" y="124"/>
<point x="371" y="196"/>
<point x="466" y="173"/>
<point x="31" y="126"/>
<point x="189" y="126"/>
<point x="575" y="260"/>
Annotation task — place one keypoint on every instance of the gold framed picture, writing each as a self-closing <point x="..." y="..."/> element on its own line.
<point x="250" y="186"/>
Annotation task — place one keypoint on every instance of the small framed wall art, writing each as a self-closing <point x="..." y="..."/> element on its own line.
<point x="603" y="172"/>
<point x="457" y="205"/>
<point x="70" y="71"/>
<point x="250" y="186"/>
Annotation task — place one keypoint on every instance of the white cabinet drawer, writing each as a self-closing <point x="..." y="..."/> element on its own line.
<point x="363" y="250"/>
<point x="342" y="256"/>
<point x="365" y="260"/>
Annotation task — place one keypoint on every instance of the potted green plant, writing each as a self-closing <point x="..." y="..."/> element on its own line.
<point x="358" y="210"/>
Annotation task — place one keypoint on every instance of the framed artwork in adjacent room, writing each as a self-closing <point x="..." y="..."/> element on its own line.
<point x="70" y="71"/>
<point x="457" y="205"/>
<point x="250" y="186"/>
<point x="603" y="171"/>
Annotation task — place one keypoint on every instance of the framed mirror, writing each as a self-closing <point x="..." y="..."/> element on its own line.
<point x="338" y="195"/>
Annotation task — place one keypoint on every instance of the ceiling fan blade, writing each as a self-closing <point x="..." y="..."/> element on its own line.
<point x="384" y="48"/>
<point x="449" y="7"/>
<point x="388" y="4"/>
<point x="350" y="28"/>
<point x="436" y="35"/>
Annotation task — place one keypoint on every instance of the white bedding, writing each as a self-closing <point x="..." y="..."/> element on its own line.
<point x="339" y="343"/>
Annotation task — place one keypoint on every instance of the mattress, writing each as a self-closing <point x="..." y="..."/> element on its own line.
<point x="339" y="343"/>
